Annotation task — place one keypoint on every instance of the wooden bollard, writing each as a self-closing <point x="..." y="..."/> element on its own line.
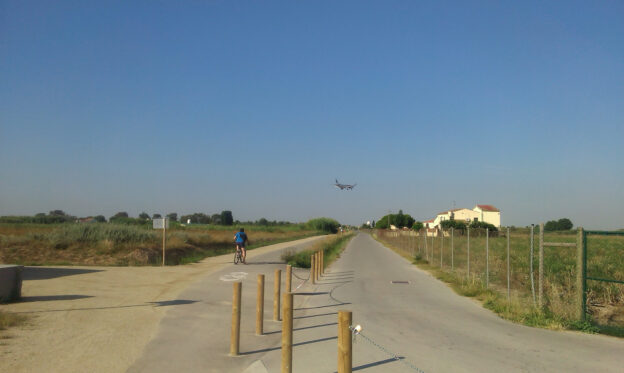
<point x="312" y="270"/>
<point x="287" y="333"/>
<point x="236" y="314"/>
<point x="322" y="261"/>
<point x="276" y="294"/>
<point x="345" y="353"/>
<point x="318" y="265"/>
<point x="260" y="306"/>
<point x="288" y="279"/>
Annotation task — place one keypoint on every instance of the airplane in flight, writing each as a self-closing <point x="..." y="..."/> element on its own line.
<point x="344" y="186"/>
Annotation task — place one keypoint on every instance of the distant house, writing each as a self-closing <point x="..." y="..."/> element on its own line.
<point x="89" y="219"/>
<point x="485" y="213"/>
<point x="488" y="214"/>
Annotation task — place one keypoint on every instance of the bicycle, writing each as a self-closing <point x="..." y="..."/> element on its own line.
<point x="238" y="256"/>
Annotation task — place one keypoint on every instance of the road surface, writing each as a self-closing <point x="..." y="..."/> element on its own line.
<point x="419" y="320"/>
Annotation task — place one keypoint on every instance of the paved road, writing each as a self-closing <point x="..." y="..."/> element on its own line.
<point x="427" y="325"/>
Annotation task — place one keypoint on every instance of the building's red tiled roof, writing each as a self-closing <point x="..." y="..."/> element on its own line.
<point x="488" y="208"/>
<point x="429" y="221"/>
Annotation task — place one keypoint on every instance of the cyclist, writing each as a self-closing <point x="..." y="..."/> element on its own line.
<point x="240" y="238"/>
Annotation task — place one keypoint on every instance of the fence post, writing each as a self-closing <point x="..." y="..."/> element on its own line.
<point x="452" y="250"/>
<point x="540" y="282"/>
<point x="426" y="248"/>
<point x="508" y="275"/>
<point x="581" y="271"/>
<point x="288" y="279"/>
<point x="441" y="245"/>
<point x="312" y="280"/>
<point x="276" y="294"/>
<point x="487" y="257"/>
<point x="468" y="253"/>
<point x="236" y="314"/>
<point x="531" y="266"/>
<point x="345" y="353"/>
<point x="260" y="306"/>
<point x="287" y="333"/>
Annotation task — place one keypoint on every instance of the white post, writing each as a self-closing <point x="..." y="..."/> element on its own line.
<point x="531" y="266"/>
<point x="468" y="254"/>
<point x="452" y="250"/>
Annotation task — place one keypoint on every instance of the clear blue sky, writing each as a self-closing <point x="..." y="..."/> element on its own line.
<point x="256" y="107"/>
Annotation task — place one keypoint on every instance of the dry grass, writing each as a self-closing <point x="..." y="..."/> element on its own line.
<point x="110" y="244"/>
<point x="8" y="320"/>
<point x="605" y="260"/>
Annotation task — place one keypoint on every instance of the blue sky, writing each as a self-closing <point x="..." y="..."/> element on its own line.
<point x="256" y="107"/>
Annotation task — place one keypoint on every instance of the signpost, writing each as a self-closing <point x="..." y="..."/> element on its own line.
<point x="162" y="223"/>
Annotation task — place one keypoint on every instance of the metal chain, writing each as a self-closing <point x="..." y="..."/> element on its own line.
<point x="382" y="348"/>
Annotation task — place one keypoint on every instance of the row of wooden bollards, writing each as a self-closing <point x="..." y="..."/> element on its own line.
<point x="316" y="271"/>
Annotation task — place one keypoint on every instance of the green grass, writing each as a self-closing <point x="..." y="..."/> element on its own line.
<point x="332" y="247"/>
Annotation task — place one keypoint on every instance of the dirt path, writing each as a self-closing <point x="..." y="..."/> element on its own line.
<point x="97" y="319"/>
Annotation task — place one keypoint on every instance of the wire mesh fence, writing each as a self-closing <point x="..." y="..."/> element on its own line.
<point x="507" y="262"/>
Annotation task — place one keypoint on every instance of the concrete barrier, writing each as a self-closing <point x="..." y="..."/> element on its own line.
<point x="10" y="282"/>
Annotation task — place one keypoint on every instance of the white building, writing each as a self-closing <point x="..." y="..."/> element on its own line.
<point x="485" y="213"/>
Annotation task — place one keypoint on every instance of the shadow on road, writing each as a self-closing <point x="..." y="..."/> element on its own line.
<point x="45" y="298"/>
<point x="306" y="327"/>
<point x="294" y="344"/>
<point x="46" y="273"/>
<point x="322" y="314"/>
<point x="176" y="302"/>
<point x="317" y="293"/>
<point x="329" y="305"/>
<point x="380" y="362"/>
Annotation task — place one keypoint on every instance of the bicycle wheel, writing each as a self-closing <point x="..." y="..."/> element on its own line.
<point x="237" y="257"/>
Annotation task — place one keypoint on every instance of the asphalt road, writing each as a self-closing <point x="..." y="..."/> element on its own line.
<point x="418" y="324"/>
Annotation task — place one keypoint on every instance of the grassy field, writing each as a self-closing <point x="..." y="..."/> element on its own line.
<point x="448" y="259"/>
<point x="115" y="244"/>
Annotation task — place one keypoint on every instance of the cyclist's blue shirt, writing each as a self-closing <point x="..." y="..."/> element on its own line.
<point x="241" y="237"/>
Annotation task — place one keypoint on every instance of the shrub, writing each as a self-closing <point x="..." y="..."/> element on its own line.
<point x="324" y="225"/>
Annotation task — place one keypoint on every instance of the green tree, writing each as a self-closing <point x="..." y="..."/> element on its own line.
<point x="417" y="226"/>
<point x="156" y="216"/>
<point x="227" y="218"/>
<point x="173" y="216"/>
<point x="100" y="219"/>
<point x="144" y="216"/>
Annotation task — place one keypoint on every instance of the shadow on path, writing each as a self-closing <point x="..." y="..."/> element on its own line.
<point x="46" y="273"/>
<point x="294" y="344"/>
<point x="322" y="314"/>
<point x="44" y="298"/>
<point x="380" y="362"/>
<point x="176" y="302"/>
<point x="329" y="305"/>
<point x="306" y="327"/>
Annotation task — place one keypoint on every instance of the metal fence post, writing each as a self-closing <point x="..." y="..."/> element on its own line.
<point x="236" y="314"/>
<point x="531" y="266"/>
<point x="260" y="306"/>
<point x="540" y="282"/>
<point x="487" y="257"/>
<point x="452" y="249"/>
<point x="508" y="275"/>
<point x="581" y="271"/>
<point x="468" y="253"/>
<point x="441" y="245"/>
<point x="345" y="354"/>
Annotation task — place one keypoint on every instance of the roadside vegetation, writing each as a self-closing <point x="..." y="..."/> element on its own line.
<point x="332" y="247"/>
<point x="126" y="242"/>
<point x="605" y="260"/>
<point x="8" y="320"/>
